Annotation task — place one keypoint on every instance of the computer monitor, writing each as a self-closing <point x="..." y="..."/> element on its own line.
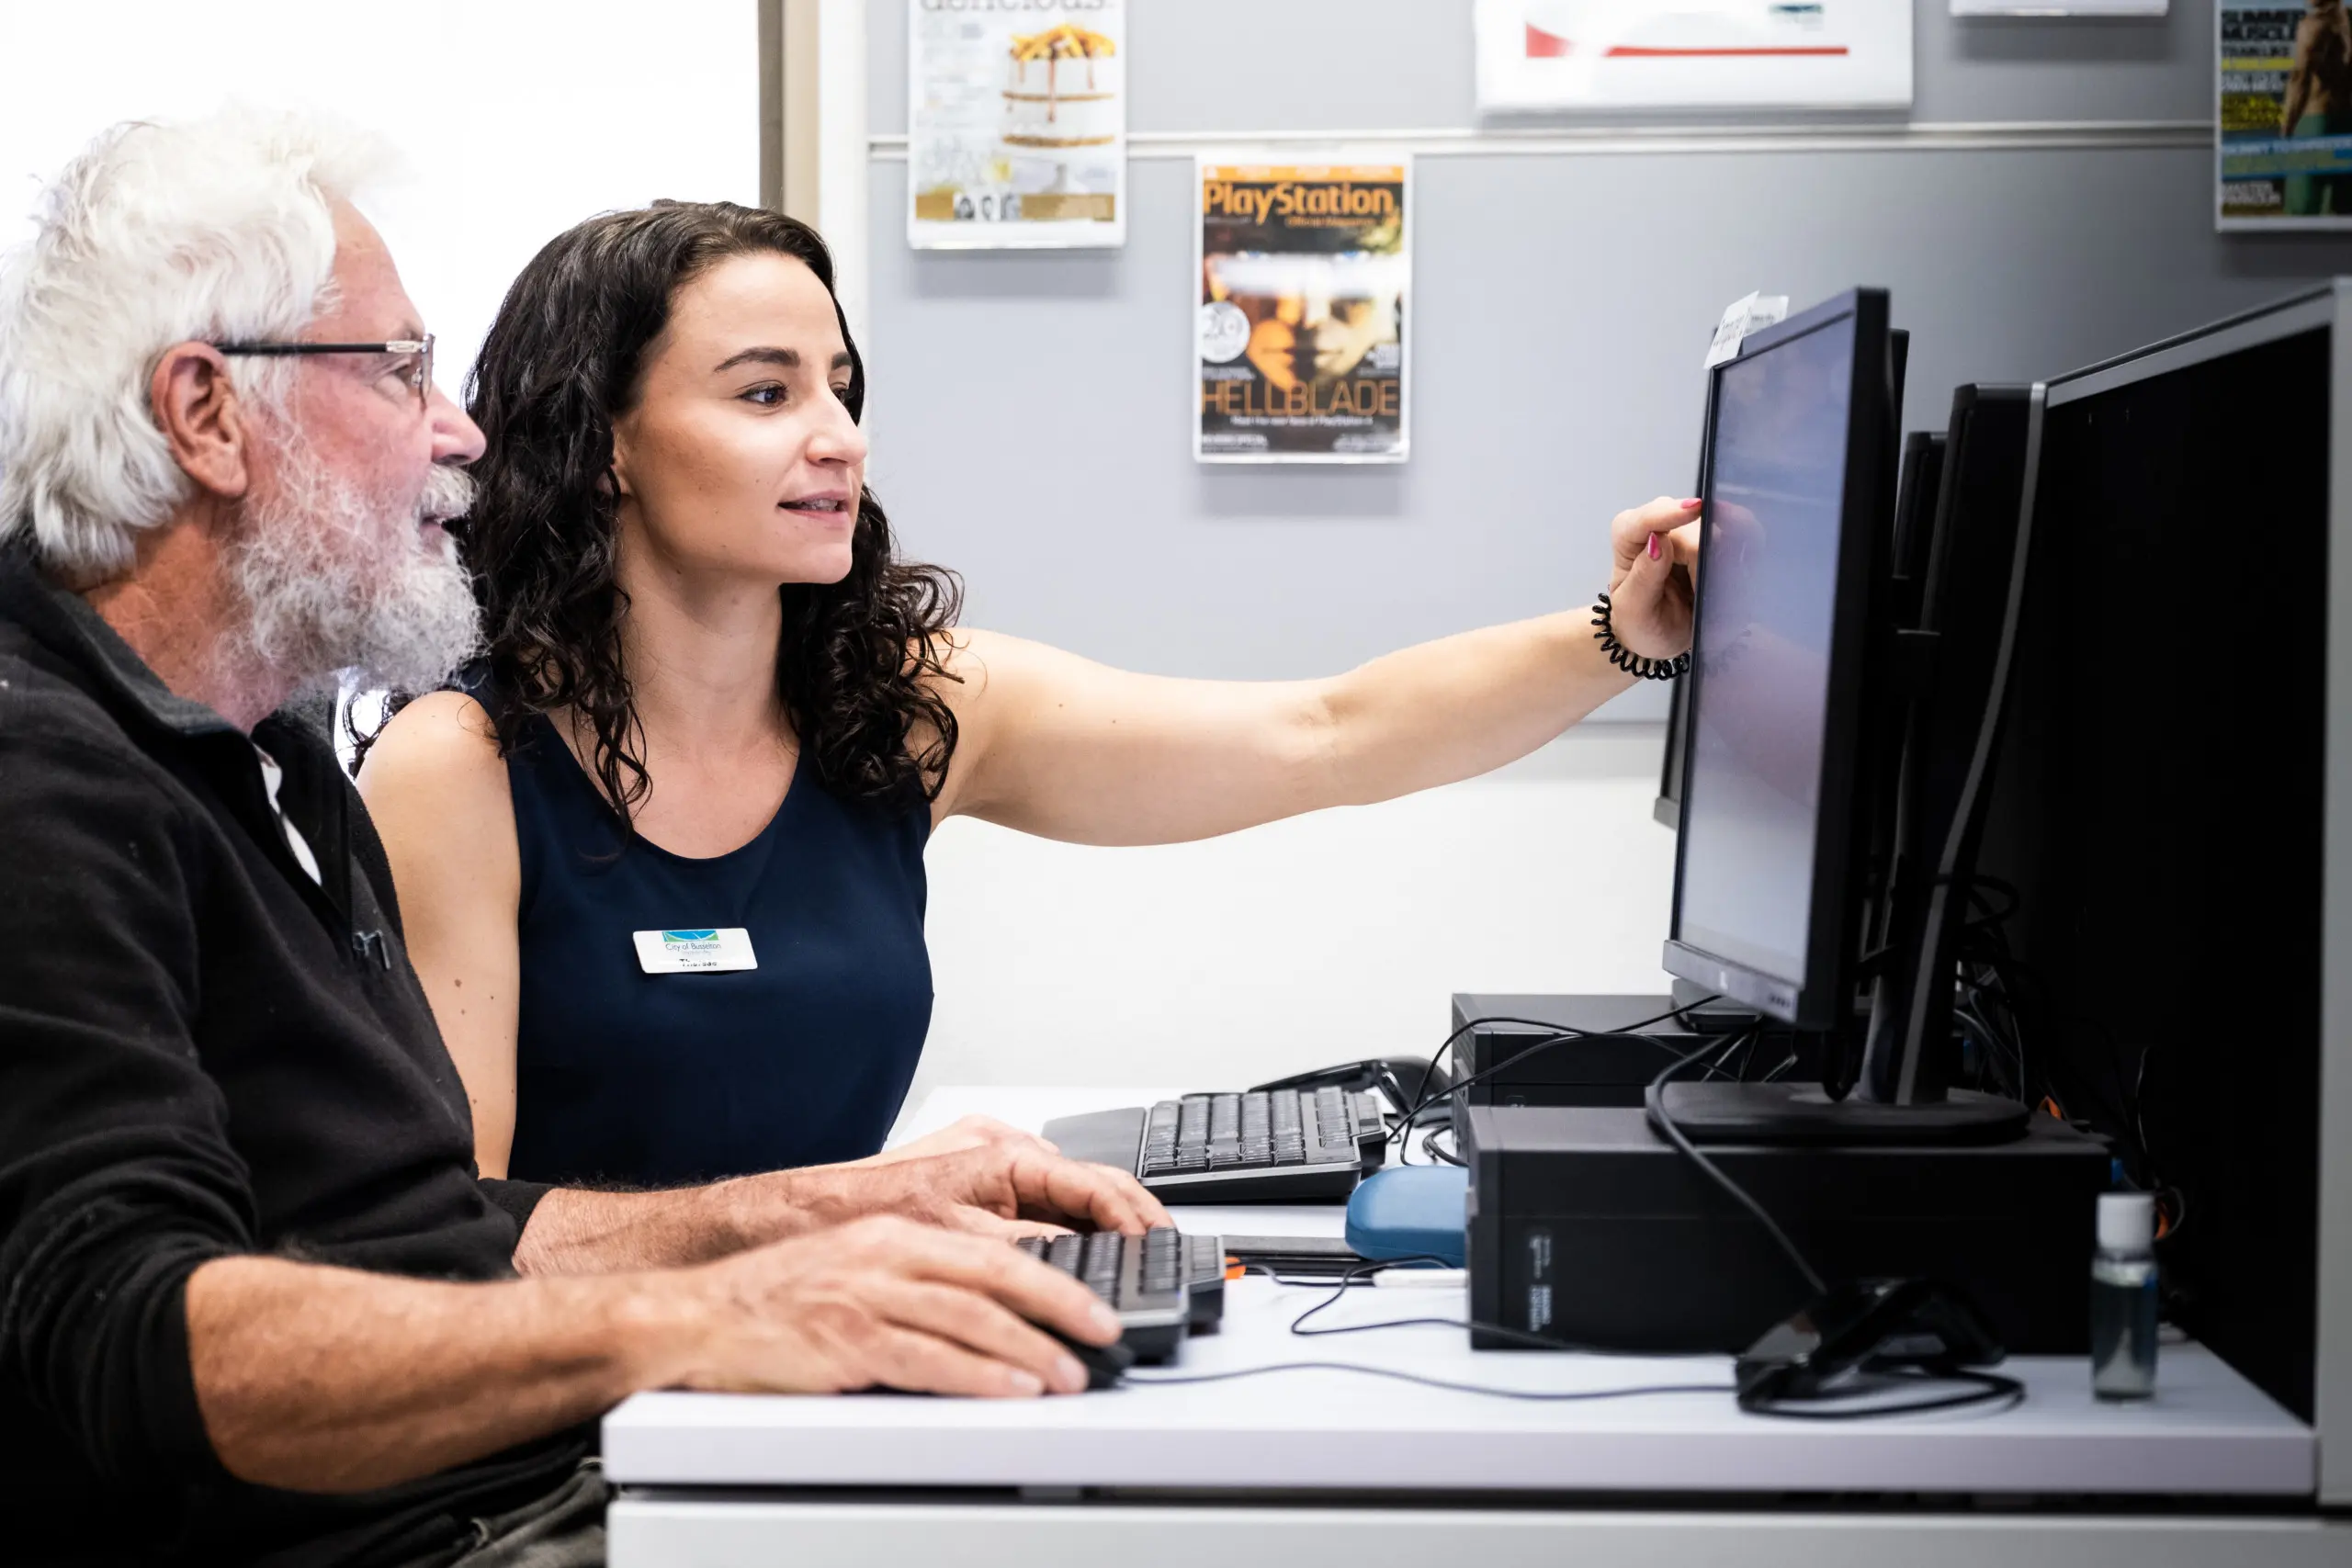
<point x="1667" y="810"/>
<point x="2173" y="804"/>
<point x="1811" y="699"/>
<point x="1789" y="551"/>
<point x="1914" y="519"/>
<point x="1958" y="552"/>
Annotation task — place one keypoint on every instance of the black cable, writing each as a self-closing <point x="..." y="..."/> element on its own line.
<point x="1429" y="1147"/>
<point x="1653" y="1099"/>
<point x="1361" y="1273"/>
<point x="1989" y="1386"/>
<point x="1560" y="1035"/>
<point x="1986" y="1385"/>
<point x="1445" y="1047"/>
<point x="1566" y="1396"/>
<point x="1555" y="1034"/>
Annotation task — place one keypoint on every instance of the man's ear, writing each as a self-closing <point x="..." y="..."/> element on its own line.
<point x="198" y="410"/>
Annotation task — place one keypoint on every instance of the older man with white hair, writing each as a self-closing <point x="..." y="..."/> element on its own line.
<point x="256" y="1305"/>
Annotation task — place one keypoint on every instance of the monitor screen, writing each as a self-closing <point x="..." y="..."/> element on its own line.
<point x="1767" y="604"/>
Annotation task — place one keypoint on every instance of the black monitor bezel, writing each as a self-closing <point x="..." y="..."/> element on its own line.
<point x="1666" y="809"/>
<point x="2327" y="307"/>
<point x="2248" y="328"/>
<point x="1816" y="999"/>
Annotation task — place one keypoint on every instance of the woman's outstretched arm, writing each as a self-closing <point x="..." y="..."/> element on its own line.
<point x="1057" y="746"/>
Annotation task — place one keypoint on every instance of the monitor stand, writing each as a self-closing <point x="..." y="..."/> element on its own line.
<point x="1804" y="1114"/>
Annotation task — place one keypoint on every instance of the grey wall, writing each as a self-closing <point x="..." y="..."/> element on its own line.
<point x="1244" y="65"/>
<point x="1030" y="413"/>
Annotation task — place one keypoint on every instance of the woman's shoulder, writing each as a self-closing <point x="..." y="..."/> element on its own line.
<point x="441" y="745"/>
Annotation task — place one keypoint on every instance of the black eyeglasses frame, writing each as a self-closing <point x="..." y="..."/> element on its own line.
<point x="420" y="379"/>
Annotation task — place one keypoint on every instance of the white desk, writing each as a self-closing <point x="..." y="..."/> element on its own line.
<point x="1341" y="1468"/>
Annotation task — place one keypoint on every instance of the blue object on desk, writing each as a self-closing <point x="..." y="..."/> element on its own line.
<point x="1411" y="1211"/>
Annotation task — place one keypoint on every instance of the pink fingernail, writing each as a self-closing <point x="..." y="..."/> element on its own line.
<point x="1694" y="500"/>
<point x="1653" y="546"/>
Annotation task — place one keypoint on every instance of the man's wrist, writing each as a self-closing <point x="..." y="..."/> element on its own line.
<point x="775" y="1204"/>
<point x="658" y="1328"/>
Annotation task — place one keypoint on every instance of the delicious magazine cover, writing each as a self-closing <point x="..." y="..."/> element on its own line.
<point x="1303" y="272"/>
<point x="1017" y="124"/>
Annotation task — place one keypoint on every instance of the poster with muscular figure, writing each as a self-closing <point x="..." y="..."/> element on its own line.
<point x="2286" y="115"/>
<point x="1301" y="273"/>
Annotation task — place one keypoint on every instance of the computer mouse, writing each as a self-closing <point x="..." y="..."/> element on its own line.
<point x="1103" y="1363"/>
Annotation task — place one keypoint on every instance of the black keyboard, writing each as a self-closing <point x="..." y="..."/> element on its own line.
<point x="1268" y="1146"/>
<point x="1162" y="1284"/>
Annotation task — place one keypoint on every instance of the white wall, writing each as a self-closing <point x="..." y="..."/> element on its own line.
<point x="517" y="117"/>
<point x="1322" y="939"/>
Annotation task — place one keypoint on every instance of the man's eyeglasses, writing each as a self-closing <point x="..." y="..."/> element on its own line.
<point x="419" y="375"/>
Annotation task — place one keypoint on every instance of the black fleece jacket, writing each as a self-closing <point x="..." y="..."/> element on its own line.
<point x="203" y="1053"/>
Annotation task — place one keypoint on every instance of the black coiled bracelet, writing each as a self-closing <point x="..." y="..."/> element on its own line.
<point x="1624" y="658"/>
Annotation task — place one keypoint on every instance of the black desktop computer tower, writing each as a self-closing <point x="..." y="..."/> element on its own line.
<point x="1586" y="1227"/>
<point x="1525" y="1061"/>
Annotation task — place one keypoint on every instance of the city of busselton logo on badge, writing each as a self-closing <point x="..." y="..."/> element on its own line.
<point x="687" y="939"/>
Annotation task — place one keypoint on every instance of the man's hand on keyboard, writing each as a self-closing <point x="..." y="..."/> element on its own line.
<point x="1006" y="1190"/>
<point x="886" y="1302"/>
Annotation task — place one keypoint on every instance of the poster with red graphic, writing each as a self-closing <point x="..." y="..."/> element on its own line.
<point x="1692" y="55"/>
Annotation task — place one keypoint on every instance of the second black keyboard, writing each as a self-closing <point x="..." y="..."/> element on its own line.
<point x="1163" y="1285"/>
<point x="1283" y="1145"/>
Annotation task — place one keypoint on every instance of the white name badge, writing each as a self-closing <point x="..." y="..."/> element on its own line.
<point x="694" y="952"/>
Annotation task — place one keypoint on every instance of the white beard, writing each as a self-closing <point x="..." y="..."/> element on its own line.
<point x="336" y="578"/>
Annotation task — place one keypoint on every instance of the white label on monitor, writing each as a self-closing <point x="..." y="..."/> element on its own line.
<point x="1742" y="317"/>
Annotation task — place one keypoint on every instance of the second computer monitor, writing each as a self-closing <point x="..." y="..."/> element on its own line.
<point x="1791" y="550"/>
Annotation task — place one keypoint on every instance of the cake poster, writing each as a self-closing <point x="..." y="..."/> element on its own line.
<point x="2285" y="117"/>
<point x="1017" y="124"/>
<point x="1302" y="277"/>
<point x="1608" y="56"/>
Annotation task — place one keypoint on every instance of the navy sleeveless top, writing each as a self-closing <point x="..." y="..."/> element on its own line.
<point x="624" y="1077"/>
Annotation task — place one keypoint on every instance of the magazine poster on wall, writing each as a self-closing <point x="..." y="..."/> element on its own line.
<point x="1301" y="274"/>
<point x="1016" y="124"/>
<point x="2059" y="8"/>
<point x="1691" y="55"/>
<point x="2285" y="116"/>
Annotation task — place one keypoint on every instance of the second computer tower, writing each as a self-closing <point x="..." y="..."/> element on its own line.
<point x="1586" y="1227"/>
<point x="1514" y="1048"/>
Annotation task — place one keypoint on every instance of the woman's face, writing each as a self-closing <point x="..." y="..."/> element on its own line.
<point x="740" y="459"/>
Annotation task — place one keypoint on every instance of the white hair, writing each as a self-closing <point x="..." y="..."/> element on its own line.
<point x="212" y="229"/>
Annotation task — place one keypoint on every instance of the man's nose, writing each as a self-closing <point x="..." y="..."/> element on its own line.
<point x="456" y="438"/>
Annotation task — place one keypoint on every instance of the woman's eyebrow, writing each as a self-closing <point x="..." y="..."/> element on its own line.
<point x="782" y="358"/>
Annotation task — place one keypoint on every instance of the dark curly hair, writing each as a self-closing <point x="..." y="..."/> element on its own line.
<point x="562" y="361"/>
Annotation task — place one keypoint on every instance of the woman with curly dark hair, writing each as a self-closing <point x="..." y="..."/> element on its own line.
<point x="661" y="865"/>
